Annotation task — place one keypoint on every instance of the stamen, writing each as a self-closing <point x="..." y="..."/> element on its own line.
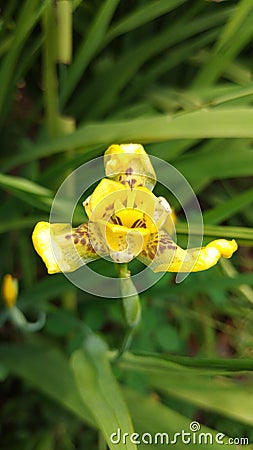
<point x="116" y="220"/>
<point x="139" y="223"/>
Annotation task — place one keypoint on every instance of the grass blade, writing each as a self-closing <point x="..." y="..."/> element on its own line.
<point x="88" y="47"/>
<point x="100" y="391"/>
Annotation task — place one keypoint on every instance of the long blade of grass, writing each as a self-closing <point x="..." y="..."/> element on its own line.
<point x="27" y="19"/>
<point x="228" y="46"/>
<point x="234" y="25"/>
<point x="89" y="47"/>
<point x="236" y="123"/>
<point x="21" y="223"/>
<point x="29" y="361"/>
<point x="23" y="184"/>
<point x="229" y="208"/>
<point x="100" y="391"/>
<point x="120" y="73"/>
<point x="242" y="233"/>
<point x="221" y="396"/>
<point x="152" y="417"/>
<point x="184" y="364"/>
<point x="227" y="159"/>
<point x="50" y="79"/>
<point x="140" y="16"/>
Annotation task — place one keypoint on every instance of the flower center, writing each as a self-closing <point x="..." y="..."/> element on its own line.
<point x="126" y="233"/>
<point x="131" y="218"/>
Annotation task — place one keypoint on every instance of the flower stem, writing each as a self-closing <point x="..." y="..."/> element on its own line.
<point x="131" y="307"/>
<point x="49" y="69"/>
<point x="57" y="24"/>
<point x="126" y="344"/>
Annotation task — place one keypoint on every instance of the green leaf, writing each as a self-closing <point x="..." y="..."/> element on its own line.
<point x="27" y="191"/>
<point x="119" y="74"/>
<point x="32" y="360"/>
<point x="100" y="391"/>
<point x="221" y="396"/>
<point x="89" y="47"/>
<point x="46" y="289"/>
<point x="228" y="45"/>
<point x="185" y="364"/>
<point x="218" y="160"/>
<point x="230" y="30"/>
<point x="210" y="123"/>
<point x="47" y="369"/>
<point x="20" y="223"/>
<point x="217" y="231"/>
<point x="22" y="184"/>
<point x="218" y="394"/>
<point x="152" y="417"/>
<point x="27" y="18"/>
<point x="229" y="208"/>
<point x="140" y="16"/>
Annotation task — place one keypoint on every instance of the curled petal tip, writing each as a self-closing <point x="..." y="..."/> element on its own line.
<point x="210" y="255"/>
<point x="166" y="256"/>
<point x="226" y="248"/>
<point x="42" y="243"/>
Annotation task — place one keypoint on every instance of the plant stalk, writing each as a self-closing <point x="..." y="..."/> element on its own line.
<point x="131" y="307"/>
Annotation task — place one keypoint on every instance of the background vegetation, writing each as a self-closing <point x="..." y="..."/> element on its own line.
<point x="176" y="76"/>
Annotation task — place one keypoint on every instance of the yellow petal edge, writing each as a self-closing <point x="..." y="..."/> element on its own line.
<point x="9" y="290"/>
<point x="41" y="238"/>
<point x="196" y="259"/>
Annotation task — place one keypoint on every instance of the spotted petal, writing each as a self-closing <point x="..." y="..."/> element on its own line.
<point x="162" y="254"/>
<point x="123" y="243"/>
<point x="65" y="249"/>
<point x="110" y="196"/>
<point x="130" y="165"/>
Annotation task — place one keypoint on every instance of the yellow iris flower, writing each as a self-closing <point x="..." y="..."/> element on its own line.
<point x="126" y="220"/>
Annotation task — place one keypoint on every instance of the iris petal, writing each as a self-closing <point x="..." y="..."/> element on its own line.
<point x="162" y="254"/>
<point x="126" y="220"/>
<point x="110" y="198"/>
<point x="130" y="165"/>
<point x="65" y="249"/>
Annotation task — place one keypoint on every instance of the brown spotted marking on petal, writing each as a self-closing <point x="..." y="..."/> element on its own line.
<point x="157" y="245"/>
<point x="132" y="183"/>
<point x="165" y="241"/>
<point x="111" y="206"/>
